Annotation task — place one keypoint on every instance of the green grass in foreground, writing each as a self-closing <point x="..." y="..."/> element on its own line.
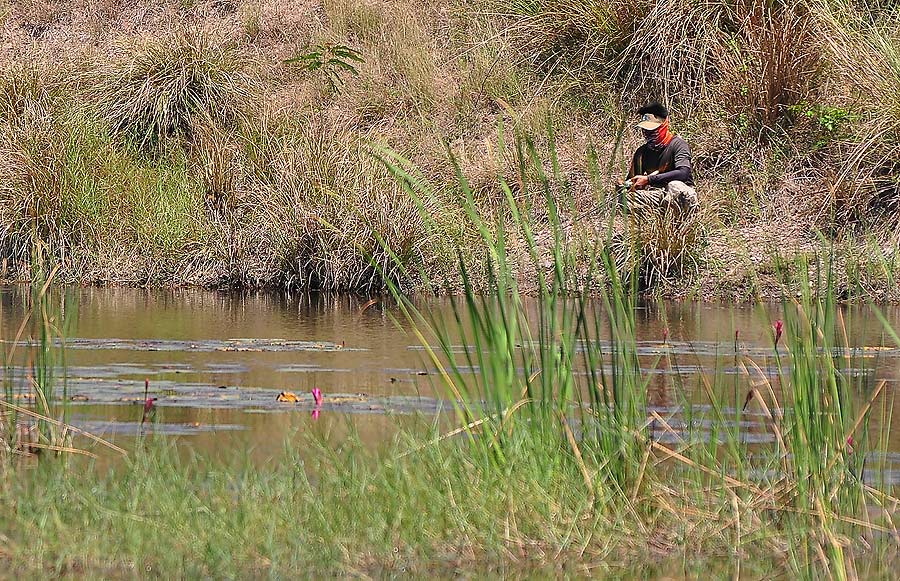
<point x="541" y="378"/>
<point x="346" y="510"/>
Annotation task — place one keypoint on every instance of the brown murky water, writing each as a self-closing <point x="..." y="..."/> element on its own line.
<point x="216" y="361"/>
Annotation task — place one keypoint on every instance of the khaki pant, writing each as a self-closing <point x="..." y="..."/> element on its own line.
<point x="676" y="195"/>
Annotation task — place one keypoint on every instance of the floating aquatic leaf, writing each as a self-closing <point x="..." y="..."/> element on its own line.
<point x="206" y="346"/>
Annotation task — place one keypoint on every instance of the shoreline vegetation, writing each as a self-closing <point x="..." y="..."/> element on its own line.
<point x="765" y="460"/>
<point x="241" y="143"/>
<point x="394" y="147"/>
<point x="465" y="147"/>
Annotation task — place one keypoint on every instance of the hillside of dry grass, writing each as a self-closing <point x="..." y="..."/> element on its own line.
<point x="177" y="143"/>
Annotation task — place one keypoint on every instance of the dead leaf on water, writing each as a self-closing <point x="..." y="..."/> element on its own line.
<point x="287" y="397"/>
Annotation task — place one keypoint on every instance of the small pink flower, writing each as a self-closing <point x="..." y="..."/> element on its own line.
<point x="148" y="408"/>
<point x="850" y="444"/>
<point x="779" y="328"/>
<point x="317" y="395"/>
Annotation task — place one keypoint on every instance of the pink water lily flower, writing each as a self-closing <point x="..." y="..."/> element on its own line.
<point x="317" y="395"/>
<point x="148" y="408"/>
<point x="148" y="401"/>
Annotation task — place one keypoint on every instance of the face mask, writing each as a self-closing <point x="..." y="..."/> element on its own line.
<point x="659" y="137"/>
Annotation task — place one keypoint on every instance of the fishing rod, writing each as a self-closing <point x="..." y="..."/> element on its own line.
<point x="628" y="184"/>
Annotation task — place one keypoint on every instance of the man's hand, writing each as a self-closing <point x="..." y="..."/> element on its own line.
<point x="640" y="182"/>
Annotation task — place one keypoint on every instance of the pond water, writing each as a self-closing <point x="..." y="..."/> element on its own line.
<point x="216" y="361"/>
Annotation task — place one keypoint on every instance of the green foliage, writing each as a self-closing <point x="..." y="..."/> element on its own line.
<point x="331" y="61"/>
<point x="327" y="512"/>
<point x="830" y="119"/>
<point x="828" y="122"/>
<point x="163" y="207"/>
<point x="531" y="378"/>
<point x="34" y="407"/>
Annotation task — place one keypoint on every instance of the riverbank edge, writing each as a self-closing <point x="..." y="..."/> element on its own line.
<point x="734" y="265"/>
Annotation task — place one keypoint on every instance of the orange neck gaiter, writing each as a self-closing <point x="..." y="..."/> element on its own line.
<point x="660" y="137"/>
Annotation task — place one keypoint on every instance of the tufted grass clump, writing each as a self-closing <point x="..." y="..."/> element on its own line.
<point x="764" y="56"/>
<point x="865" y="47"/>
<point x="168" y="87"/>
<point x="658" y="245"/>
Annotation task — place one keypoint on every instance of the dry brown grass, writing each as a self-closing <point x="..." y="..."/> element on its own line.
<point x="31" y="201"/>
<point x="867" y="55"/>
<point x="774" y="65"/>
<point x="165" y="87"/>
<point x="242" y="193"/>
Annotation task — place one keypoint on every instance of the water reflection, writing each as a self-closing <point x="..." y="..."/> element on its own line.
<point x="220" y="358"/>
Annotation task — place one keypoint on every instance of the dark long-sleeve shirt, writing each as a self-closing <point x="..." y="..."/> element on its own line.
<point x="673" y="162"/>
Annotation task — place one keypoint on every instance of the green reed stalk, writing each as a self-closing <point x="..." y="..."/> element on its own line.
<point x="819" y="408"/>
<point x="561" y="374"/>
<point x="42" y="394"/>
<point x="519" y="363"/>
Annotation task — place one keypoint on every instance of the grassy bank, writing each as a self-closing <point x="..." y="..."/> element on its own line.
<point x="186" y="143"/>
<point x="764" y="460"/>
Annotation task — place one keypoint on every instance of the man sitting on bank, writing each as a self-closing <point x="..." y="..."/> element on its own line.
<point x="661" y="168"/>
